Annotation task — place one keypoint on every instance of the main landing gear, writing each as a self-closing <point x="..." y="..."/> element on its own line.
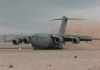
<point x="35" y="48"/>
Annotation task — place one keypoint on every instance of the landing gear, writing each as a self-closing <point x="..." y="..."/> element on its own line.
<point x="35" y="48"/>
<point x="60" y="47"/>
<point x="57" y="47"/>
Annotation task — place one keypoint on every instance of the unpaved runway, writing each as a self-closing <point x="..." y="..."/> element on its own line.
<point x="28" y="59"/>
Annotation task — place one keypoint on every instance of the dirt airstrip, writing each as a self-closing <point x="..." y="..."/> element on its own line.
<point x="65" y="59"/>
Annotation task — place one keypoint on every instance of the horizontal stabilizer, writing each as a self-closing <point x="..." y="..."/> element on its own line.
<point x="67" y="19"/>
<point x="55" y="19"/>
<point x="75" y="19"/>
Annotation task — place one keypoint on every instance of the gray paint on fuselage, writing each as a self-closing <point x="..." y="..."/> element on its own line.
<point x="42" y="41"/>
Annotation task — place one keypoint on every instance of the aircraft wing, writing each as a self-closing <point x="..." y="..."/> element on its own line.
<point x="16" y="38"/>
<point x="69" y="38"/>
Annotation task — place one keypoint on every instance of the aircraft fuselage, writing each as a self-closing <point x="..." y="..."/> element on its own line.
<point x="42" y="41"/>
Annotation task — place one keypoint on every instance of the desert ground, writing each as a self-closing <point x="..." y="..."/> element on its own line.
<point x="63" y="59"/>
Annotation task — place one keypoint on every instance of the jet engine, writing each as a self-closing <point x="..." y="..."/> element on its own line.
<point x="59" y="40"/>
<point x="26" y="40"/>
<point x="76" y="41"/>
<point x="16" y="41"/>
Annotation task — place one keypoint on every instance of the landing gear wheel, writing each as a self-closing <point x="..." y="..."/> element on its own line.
<point x="35" y="48"/>
<point x="60" y="47"/>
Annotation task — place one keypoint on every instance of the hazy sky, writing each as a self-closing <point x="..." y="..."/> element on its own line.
<point x="32" y="16"/>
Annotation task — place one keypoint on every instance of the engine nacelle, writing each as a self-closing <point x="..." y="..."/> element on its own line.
<point x="59" y="40"/>
<point x="16" y="41"/>
<point x="76" y="41"/>
<point x="26" y="40"/>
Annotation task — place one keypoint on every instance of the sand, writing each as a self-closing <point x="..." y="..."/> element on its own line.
<point x="28" y="59"/>
<point x="8" y="45"/>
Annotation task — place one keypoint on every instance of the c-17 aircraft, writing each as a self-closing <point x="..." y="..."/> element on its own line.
<point x="52" y="41"/>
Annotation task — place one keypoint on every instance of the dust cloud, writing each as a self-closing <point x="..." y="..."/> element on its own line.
<point x="82" y="27"/>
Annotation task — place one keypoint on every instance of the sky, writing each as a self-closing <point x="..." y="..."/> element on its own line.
<point x="27" y="17"/>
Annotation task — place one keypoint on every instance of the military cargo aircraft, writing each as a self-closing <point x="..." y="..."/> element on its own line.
<point x="53" y="41"/>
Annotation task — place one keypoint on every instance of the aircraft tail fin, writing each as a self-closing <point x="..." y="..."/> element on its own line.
<point x="64" y="22"/>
